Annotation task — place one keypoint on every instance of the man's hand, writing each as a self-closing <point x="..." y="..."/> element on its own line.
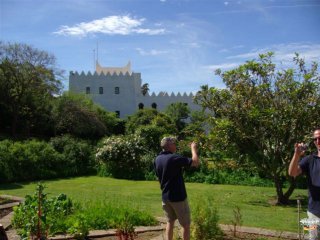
<point x="300" y="149"/>
<point x="195" y="157"/>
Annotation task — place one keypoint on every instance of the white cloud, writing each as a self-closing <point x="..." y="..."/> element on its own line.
<point x="283" y="55"/>
<point x="226" y="3"/>
<point x="285" y="52"/>
<point x="152" y="52"/>
<point x="222" y="66"/>
<point x="112" y="25"/>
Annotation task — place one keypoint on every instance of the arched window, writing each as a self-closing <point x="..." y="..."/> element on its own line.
<point x="117" y="90"/>
<point x="100" y="90"/>
<point x="87" y="90"/>
<point x="154" y="105"/>
<point x="141" y="105"/>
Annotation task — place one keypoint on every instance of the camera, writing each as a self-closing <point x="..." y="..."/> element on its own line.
<point x="303" y="147"/>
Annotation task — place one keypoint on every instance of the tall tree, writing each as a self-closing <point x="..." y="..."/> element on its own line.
<point x="76" y="114"/>
<point x="179" y="113"/>
<point x="263" y="111"/>
<point x="28" y="82"/>
<point x="145" y="89"/>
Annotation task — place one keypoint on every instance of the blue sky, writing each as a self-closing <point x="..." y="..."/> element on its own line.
<point x="175" y="44"/>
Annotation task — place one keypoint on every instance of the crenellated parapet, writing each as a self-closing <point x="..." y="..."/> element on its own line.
<point x="101" y="74"/>
<point x="172" y="95"/>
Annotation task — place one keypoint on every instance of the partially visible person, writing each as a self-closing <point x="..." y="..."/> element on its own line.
<point x="310" y="166"/>
<point x="169" y="169"/>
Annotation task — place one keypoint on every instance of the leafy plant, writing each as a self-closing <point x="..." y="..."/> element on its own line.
<point x="121" y="156"/>
<point x="39" y="216"/>
<point x="237" y="219"/>
<point x="205" y="221"/>
<point x="125" y="228"/>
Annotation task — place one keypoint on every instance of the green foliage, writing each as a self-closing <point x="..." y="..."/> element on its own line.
<point x="205" y="220"/>
<point x="151" y="136"/>
<point x="237" y="219"/>
<point x="112" y="215"/>
<point x="145" y="89"/>
<point x="29" y="160"/>
<point x="78" y="226"/>
<point x="34" y="159"/>
<point x="78" y="155"/>
<point x="39" y="215"/>
<point x="28" y="81"/>
<point x="60" y="215"/>
<point x="144" y="117"/>
<point x="79" y="116"/>
<point x="262" y="112"/>
<point x="178" y="113"/>
<point x="122" y="156"/>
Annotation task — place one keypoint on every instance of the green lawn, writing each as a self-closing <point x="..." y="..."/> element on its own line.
<point x="254" y="202"/>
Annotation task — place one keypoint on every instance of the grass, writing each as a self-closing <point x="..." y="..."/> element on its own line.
<point x="254" y="202"/>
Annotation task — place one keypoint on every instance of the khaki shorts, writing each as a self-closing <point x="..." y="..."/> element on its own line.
<point x="177" y="210"/>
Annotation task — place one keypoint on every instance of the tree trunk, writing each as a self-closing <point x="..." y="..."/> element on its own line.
<point x="281" y="198"/>
<point x="291" y="188"/>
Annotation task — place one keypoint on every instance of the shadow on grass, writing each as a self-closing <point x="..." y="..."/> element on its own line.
<point x="10" y="186"/>
<point x="291" y="203"/>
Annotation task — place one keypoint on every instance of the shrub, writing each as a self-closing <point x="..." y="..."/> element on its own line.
<point x="77" y="154"/>
<point x="37" y="158"/>
<point x="151" y="136"/>
<point x="122" y="156"/>
<point x="205" y="221"/>
<point x="39" y="215"/>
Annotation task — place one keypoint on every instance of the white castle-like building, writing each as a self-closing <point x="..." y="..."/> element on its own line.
<point x="118" y="89"/>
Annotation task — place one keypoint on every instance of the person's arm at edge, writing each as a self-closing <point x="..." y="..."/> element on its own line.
<point x="294" y="168"/>
<point x="195" y="157"/>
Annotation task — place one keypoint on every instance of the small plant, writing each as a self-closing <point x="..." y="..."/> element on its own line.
<point x="125" y="229"/>
<point x="237" y="219"/>
<point x="205" y="221"/>
<point x="79" y="229"/>
<point x="39" y="216"/>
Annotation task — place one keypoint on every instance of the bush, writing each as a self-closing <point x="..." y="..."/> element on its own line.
<point x="34" y="159"/>
<point x="205" y="221"/>
<point x="151" y="136"/>
<point x="37" y="158"/>
<point x="27" y="215"/>
<point x="77" y="154"/>
<point x="121" y="157"/>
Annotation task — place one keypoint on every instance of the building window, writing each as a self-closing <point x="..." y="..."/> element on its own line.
<point x="100" y="90"/>
<point x="141" y="105"/>
<point x="117" y="90"/>
<point x="118" y="114"/>
<point x="87" y="90"/>
<point x="154" y="105"/>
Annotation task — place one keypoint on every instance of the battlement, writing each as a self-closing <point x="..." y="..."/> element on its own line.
<point x="101" y="74"/>
<point x="172" y="95"/>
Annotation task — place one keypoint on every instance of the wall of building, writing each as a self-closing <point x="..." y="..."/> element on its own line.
<point x="127" y="100"/>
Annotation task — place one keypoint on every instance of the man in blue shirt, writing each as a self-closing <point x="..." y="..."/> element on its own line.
<point x="169" y="170"/>
<point x="310" y="166"/>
